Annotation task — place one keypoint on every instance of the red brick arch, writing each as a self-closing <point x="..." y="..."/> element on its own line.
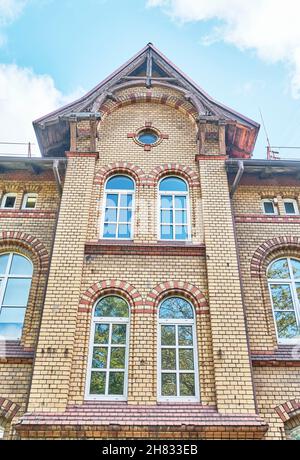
<point x="177" y="169"/>
<point x="261" y="257"/>
<point x="288" y="410"/>
<point x="117" y="287"/>
<point x="184" y="289"/>
<point x="121" y="167"/>
<point x="32" y="244"/>
<point x="8" y="409"/>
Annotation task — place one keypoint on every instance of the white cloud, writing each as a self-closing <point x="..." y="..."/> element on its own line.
<point x="9" y="11"/>
<point x="24" y="97"/>
<point x="270" y="27"/>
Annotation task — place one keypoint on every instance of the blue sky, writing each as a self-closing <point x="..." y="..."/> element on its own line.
<point x="70" y="46"/>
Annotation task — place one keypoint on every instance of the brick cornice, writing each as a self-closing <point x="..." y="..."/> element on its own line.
<point x="24" y="214"/>
<point x="148" y="249"/>
<point x="262" y="219"/>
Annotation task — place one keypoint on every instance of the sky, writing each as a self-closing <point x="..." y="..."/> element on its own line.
<point x="244" y="54"/>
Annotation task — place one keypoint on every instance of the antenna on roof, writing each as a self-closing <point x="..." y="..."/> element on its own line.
<point x="271" y="155"/>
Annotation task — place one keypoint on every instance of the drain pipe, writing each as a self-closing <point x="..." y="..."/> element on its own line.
<point x="57" y="176"/>
<point x="238" y="178"/>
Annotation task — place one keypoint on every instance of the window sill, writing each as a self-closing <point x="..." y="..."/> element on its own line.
<point x="114" y="247"/>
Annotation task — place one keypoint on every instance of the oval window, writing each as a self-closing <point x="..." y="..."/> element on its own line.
<point x="147" y="137"/>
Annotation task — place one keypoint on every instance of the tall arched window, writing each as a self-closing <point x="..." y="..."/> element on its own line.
<point x="15" y="282"/>
<point x="118" y="209"/>
<point x="174" y="209"/>
<point x="284" y="285"/>
<point x="177" y="351"/>
<point x="109" y="349"/>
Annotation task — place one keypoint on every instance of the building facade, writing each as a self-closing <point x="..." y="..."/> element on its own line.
<point x="149" y="270"/>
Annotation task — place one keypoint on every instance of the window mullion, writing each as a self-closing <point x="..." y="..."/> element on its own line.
<point x="177" y="362"/>
<point x="174" y="218"/>
<point x="108" y="360"/>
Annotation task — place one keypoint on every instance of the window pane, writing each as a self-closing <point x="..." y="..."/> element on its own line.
<point x="125" y="215"/>
<point x="30" y="202"/>
<point x="117" y="358"/>
<point x="186" y="360"/>
<point x="296" y="267"/>
<point x="10" y="331"/>
<point x="180" y="202"/>
<point x="176" y="308"/>
<point x="282" y="297"/>
<point x="181" y="232"/>
<point x="187" y="385"/>
<point x="116" y="383"/>
<point x="149" y="138"/>
<point x="269" y="207"/>
<point x="166" y="232"/>
<point x="181" y="217"/>
<point x="119" y="334"/>
<point x="20" y="266"/>
<point x="166" y="217"/>
<point x="289" y="208"/>
<point x="112" y="201"/>
<point x="168" y="385"/>
<point x="112" y="306"/>
<point x="99" y="358"/>
<point x="166" y="202"/>
<point x="124" y="231"/>
<point x="279" y="270"/>
<point x="110" y="230"/>
<point x="3" y="263"/>
<point x="126" y="201"/>
<point x="168" y="335"/>
<point x="120" y="183"/>
<point x="101" y="334"/>
<point x="97" y="386"/>
<point x="111" y="215"/>
<point x="185" y="335"/>
<point x="9" y="202"/>
<point x="17" y="292"/>
<point x="173" y="184"/>
<point x="168" y="359"/>
<point x="287" y="325"/>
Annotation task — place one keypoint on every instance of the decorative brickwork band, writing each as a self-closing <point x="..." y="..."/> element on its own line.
<point x="181" y="288"/>
<point x="117" y="287"/>
<point x="29" y="242"/>
<point x="288" y="410"/>
<point x="261" y="257"/>
<point x="8" y="409"/>
<point x="121" y="167"/>
<point x="174" y="168"/>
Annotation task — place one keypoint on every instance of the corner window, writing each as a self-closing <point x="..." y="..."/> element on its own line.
<point x="284" y="286"/>
<point x="9" y="201"/>
<point x="173" y="209"/>
<point x="177" y="352"/>
<point x="29" y="201"/>
<point x="119" y="208"/>
<point x="108" y="361"/>
<point x="15" y="283"/>
<point x="291" y="207"/>
<point x="269" y="207"/>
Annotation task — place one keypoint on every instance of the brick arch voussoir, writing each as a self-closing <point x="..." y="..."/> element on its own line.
<point x="8" y="409"/>
<point x="184" y="289"/>
<point x="110" y="287"/>
<point x="288" y="410"/>
<point x="263" y="254"/>
<point x="177" y="169"/>
<point x="30" y="243"/>
<point x="121" y="167"/>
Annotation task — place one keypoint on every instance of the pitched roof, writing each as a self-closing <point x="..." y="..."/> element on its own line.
<point x="148" y="67"/>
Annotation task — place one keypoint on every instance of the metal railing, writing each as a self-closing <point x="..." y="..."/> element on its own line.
<point x="27" y="144"/>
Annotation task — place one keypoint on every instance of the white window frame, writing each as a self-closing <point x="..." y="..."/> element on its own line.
<point x="118" y="192"/>
<point x="6" y="277"/>
<point x="108" y="320"/>
<point x="291" y="281"/>
<point x="2" y="432"/>
<point x="269" y="200"/>
<point x="8" y="195"/>
<point x="25" y="199"/>
<point x="176" y="323"/>
<point x="296" y="207"/>
<point x="188" y="210"/>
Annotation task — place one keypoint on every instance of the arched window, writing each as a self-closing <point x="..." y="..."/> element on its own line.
<point x="119" y="208"/>
<point x="15" y="282"/>
<point x="174" y="209"/>
<point x="177" y="351"/>
<point x="108" y="361"/>
<point x="284" y="285"/>
<point x="294" y="434"/>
